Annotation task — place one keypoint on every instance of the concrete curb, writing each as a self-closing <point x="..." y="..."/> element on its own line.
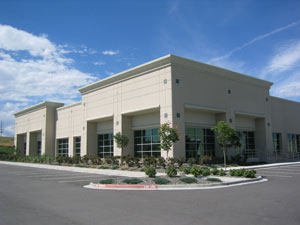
<point x="154" y="187"/>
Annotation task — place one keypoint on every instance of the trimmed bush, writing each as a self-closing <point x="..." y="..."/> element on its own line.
<point x="215" y="171"/>
<point x="206" y="172"/>
<point x="222" y="172"/>
<point x="160" y="180"/>
<point x="161" y="162"/>
<point x="187" y="170"/>
<point x="149" y="161"/>
<point x="189" y="180"/>
<point x="171" y="171"/>
<point x="150" y="171"/>
<point x="108" y="181"/>
<point x="249" y="173"/>
<point x="196" y="171"/>
<point x="212" y="179"/>
<point x="133" y="181"/>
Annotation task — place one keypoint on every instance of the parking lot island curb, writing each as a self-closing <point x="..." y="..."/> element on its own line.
<point x="135" y="187"/>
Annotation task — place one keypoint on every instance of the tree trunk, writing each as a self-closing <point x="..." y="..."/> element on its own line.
<point x="224" y="153"/>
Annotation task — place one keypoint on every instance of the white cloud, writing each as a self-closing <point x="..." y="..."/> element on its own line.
<point x="110" y="52"/>
<point x="286" y="58"/>
<point x="109" y="73"/>
<point x="45" y="75"/>
<point x="290" y="88"/>
<point x="99" y="63"/>
<point x="258" y="38"/>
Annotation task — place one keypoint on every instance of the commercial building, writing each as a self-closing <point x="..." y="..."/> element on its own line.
<point x="190" y="95"/>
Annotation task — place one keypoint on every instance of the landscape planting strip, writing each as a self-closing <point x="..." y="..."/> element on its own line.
<point x="174" y="187"/>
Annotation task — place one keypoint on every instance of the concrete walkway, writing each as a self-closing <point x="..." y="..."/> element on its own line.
<point x="124" y="172"/>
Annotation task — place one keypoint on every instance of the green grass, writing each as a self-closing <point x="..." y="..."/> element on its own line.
<point x="6" y="141"/>
<point x="6" y="149"/>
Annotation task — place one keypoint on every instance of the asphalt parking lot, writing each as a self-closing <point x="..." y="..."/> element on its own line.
<point x="57" y="176"/>
<point x="42" y="196"/>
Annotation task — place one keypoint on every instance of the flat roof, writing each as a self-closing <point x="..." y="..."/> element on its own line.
<point x="173" y="60"/>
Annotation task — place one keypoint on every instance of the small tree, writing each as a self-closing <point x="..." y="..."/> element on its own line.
<point x="168" y="136"/>
<point x="225" y="136"/>
<point x="121" y="140"/>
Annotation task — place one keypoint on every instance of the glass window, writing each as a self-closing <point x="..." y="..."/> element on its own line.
<point x="146" y="143"/>
<point x="277" y="142"/>
<point x="248" y="143"/>
<point x="105" y="145"/>
<point x="39" y="147"/>
<point x="63" y="147"/>
<point x="293" y="143"/>
<point x="77" y="143"/>
<point x="199" y="141"/>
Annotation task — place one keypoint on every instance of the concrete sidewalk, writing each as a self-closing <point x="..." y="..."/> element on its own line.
<point x="123" y="173"/>
<point x="263" y="165"/>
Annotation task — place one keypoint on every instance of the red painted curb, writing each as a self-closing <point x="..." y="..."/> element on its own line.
<point x="125" y="186"/>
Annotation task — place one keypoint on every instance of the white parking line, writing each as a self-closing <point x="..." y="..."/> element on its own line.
<point x="270" y="175"/>
<point x="279" y="172"/>
<point x="43" y="173"/>
<point x="53" y="175"/>
<point x="73" y="181"/>
<point x="58" y="178"/>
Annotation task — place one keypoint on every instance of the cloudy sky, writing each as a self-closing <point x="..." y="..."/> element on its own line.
<point x="48" y="49"/>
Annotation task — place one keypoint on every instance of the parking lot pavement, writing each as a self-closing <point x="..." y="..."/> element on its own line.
<point x="289" y="171"/>
<point x="60" y="177"/>
<point x="28" y="196"/>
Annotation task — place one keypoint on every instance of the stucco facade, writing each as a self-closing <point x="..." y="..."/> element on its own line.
<point x="187" y="94"/>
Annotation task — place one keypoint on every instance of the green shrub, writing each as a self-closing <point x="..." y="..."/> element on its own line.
<point x="161" y="162"/>
<point x="189" y="180"/>
<point x="150" y="171"/>
<point x="132" y="181"/>
<point x="149" y="161"/>
<point x="249" y="173"/>
<point x="191" y="161"/>
<point x="136" y="161"/>
<point x="160" y="180"/>
<point x="171" y="171"/>
<point x="206" y="172"/>
<point x="129" y="160"/>
<point x="108" y="181"/>
<point x="104" y="167"/>
<point x="212" y="179"/>
<point x="215" y="171"/>
<point x="196" y="171"/>
<point x="232" y="173"/>
<point x="222" y="172"/>
<point x="115" y="167"/>
<point x="108" y="159"/>
<point x="179" y="161"/>
<point x="187" y="170"/>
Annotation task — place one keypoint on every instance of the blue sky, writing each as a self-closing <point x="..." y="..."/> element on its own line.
<point x="48" y="49"/>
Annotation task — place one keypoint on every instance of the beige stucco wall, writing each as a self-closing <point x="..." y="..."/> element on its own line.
<point x="285" y="118"/>
<point x="69" y="124"/>
<point x="37" y="122"/>
<point x="128" y="98"/>
<point x="215" y="95"/>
